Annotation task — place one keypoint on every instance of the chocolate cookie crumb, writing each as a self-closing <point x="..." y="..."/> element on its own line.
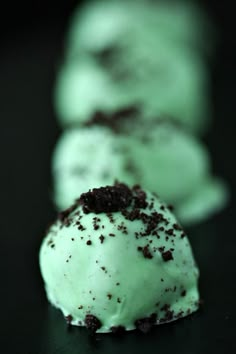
<point x="92" y="323"/>
<point x="167" y="256"/>
<point x="106" y="199"/>
<point x="177" y="227"/>
<point x="147" y="253"/>
<point x="102" y="238"/>
<point x="140" y="197"/>
<point x="113" y="121"/>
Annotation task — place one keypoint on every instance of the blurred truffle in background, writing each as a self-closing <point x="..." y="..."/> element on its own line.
<point x="136" y="53"/>
<point x="126" y="67"/>
<point x="161" y="157"/>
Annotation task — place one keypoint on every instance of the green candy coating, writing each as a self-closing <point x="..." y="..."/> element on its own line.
<point x="111" y="269"/>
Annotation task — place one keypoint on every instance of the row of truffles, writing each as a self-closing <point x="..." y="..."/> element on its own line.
<point x="118" y="260"/>
<point x="132" y="96"/>
<point x="126" y="64"/>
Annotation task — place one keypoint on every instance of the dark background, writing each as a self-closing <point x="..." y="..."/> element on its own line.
<point x="31" y="42"/>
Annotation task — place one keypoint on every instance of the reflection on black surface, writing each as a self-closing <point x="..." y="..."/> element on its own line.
<point x="58" y="338"/>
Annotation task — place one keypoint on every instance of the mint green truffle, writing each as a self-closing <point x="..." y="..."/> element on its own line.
<point x="118" y="259"/>
<point x="133" y="53"/>
<point x="162" y="158"/>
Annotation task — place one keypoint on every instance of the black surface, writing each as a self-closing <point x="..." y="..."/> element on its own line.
<point x="30" y="52"/>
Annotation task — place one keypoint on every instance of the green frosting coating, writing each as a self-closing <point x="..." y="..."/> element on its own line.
<point x="126" y="53"/>
<point x="118" y="259"/>
<point x="163" y="158"/>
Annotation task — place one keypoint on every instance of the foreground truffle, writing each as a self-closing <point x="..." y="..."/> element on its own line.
<point x="119" y="260"/>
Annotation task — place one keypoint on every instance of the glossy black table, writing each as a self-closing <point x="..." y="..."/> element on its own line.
<point x="28" y="65"/>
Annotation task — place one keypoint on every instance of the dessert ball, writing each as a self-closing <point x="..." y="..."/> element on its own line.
<point x="118" y="260"/>
<point x="160" y="156"/>
<point x="123" y="53"/>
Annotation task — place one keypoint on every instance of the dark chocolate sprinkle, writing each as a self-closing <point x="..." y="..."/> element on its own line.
<point x="161" y="249"/>
<point x="165" y="307"/>
<point x="106" y="199"/>
<point x="113" y="121"/>
<point x="89" y="242"/>
<point x="140" y="197"/>
<point x="167" y="256"/>
<point x="170" y="232"/>
<point x="102" y="238"/>
<point x="92" y="323"/>
<point x="177" y="227"/>
<point x="147" y="253"/>
<point x="168" y="316"/>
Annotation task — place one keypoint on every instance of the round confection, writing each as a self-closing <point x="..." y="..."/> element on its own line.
<point x="118" y="58"/>
<point x="163" y="158"/>
<point x="119" y="260"/>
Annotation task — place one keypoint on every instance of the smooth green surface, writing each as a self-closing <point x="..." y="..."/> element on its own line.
<point x="162" y="158"/>
<point x="77" y="284"/>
